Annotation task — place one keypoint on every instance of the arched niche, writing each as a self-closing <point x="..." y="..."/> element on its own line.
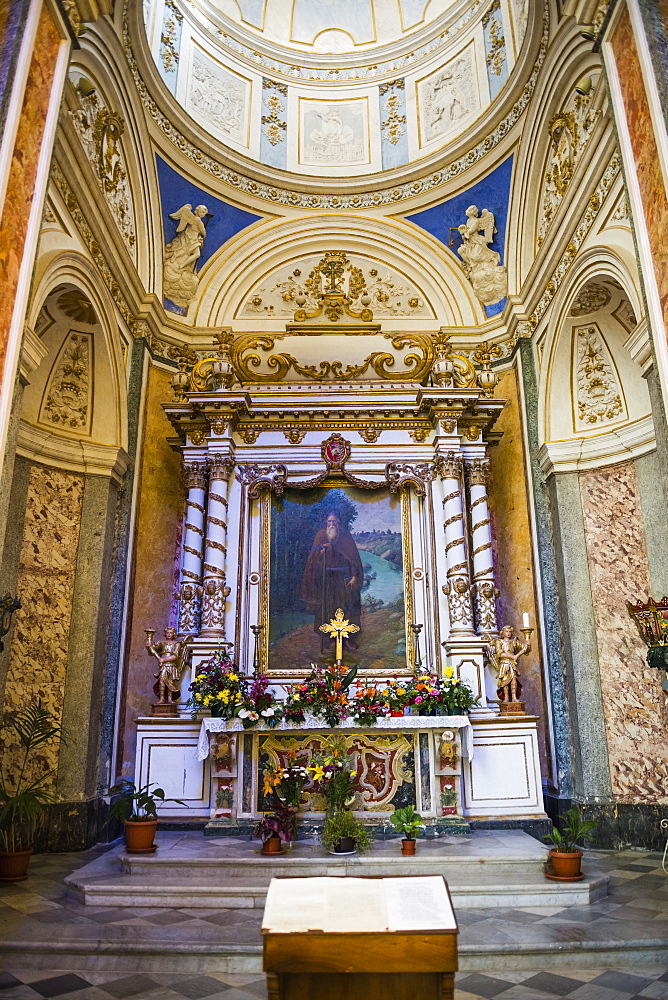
<point x="73" y="413"/>
<point x="596" y="406"/>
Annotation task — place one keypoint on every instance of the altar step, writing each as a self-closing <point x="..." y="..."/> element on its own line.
<point x="490" y="869"/>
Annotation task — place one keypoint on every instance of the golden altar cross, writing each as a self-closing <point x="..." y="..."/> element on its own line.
<point x="339" y="628"/>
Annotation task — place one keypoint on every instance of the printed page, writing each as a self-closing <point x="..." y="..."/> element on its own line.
<point x="339" y="905"/>
<point x="418" y="904"/>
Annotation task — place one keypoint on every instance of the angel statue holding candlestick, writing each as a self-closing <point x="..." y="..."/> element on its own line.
<point x="503" y="653"/>
<point x="171" y="654"/>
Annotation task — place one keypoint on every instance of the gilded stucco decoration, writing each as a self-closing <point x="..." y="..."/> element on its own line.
<point x="334" y="287"/>
<point x="496" y="51"/>
<point x="393" y="125"/>
<point x="598" y="393"/>
<point x="100" y="131"/>
<point x="169" y="52"/>
<point x="389" y="293"/>
<point x="67" y="400"/>
<point x="589" y="299"/>
<point x="274" y="126"/>
<point x="570" y="131"/>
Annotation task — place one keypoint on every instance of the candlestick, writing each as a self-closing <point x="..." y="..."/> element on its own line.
<point x="150" y="632"/>
<point x="525" y="620"/>
<point x="256" y="630"/>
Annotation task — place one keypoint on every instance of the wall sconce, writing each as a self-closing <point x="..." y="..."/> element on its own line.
<point x="583" y="86"/>
<point x="651" y="619"/>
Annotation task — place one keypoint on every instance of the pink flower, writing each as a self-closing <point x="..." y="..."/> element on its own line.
<point x="418" y="699"/>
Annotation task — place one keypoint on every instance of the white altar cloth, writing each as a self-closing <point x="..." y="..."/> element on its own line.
<point x="211" y="725"/>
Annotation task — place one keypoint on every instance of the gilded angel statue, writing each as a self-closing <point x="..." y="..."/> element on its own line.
<point x="181" y="255"/>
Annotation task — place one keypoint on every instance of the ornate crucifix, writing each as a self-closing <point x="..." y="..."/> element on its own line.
<point x="339" y="628"/>
<point x="331" y="269"/>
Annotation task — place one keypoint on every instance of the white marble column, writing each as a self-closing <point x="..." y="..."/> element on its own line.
<point x="484" y="591"/>
<point x="190" y="591"/>
<point x="457" y="588"/>
<point x="214" y="590"/>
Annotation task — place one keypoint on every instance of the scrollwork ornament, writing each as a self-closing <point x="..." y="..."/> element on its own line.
<point x="477" y="472"/>
<point x="401" y="476"/>
<point x="458" y="593"/>
<point x="263" y="477"/>
<point x="190" y="604"/>
<point x="485" y="595"/>
<point x="194" y="474"/>
<point x="214" y="595"/>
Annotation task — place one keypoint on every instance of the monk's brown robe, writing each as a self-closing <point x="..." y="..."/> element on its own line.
<point x="327" y="571"/>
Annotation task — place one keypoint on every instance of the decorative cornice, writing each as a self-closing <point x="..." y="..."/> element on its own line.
<point x="319" y="202"/>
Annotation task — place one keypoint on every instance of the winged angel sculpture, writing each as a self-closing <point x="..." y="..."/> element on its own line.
<point x="179" y="280"/>
<point x="482" y="264"/>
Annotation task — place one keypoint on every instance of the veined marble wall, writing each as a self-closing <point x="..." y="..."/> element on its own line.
<point x="648" y="162"/>
<point x="513" y="554"/>
<point x="633" y="703"/>
<point x="157" y="534"/>
<point x="40" y="635"/>
<point x="23" y="171"/>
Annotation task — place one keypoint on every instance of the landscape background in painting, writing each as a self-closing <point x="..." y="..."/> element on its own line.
<point x="374" y="520"/>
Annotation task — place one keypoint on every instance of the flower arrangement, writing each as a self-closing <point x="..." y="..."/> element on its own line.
<point x="259" y="705"/>
<point x="441" y="695"/>
<point x="217" y="686"/>
<point x="286" y="784"/>
<point x="334" y="774"/>
<point x="396" y="695"/>
<point x="368" y="705"/>
<point x="324" y="692"/>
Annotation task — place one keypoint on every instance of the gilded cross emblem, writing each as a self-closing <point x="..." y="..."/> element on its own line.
<point x="339" y="628"/>
<point x="331" y="268"/>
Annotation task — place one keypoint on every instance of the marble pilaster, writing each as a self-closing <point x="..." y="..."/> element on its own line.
<point x="457" y="588"/>
<point x="484" y="591"/>
<point x="193" y="547"/>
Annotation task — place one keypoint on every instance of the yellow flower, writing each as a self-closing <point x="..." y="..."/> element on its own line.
<point x="238" y="697"/>
<point x="208" y="698"/>
<point x="200" y="677"/>
<point x="400" y="691"/>
<point x="233" y="677"/>
<point x="296" y="697"/>
<point x="449" y="672"/>
<point x="318" y="773"/>
<point x="198" y="697"/>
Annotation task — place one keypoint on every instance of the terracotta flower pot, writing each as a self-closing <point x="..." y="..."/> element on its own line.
<point x="565" y="865"/>
<point x="397" y="715"/>
<point x="139" y="836"/>
<point x="14" y="865"/>
<point x="272" y="845"/>
<point x="408" y="847"/>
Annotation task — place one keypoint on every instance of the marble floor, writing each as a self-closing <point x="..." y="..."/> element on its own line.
<point x="39" y="912"/>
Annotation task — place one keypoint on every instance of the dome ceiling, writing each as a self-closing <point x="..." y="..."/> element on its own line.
<point x="336" y="88"/>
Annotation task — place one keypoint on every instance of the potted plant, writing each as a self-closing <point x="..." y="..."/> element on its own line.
<point x="285" y="785"/>
<point x="344" y="833"/>
<point x="269" y="830"/>
<point x="23" y="795"/>
<point x="137" y="809"/>
<point x="407" y="821"/>
<point x="565" y="855"/>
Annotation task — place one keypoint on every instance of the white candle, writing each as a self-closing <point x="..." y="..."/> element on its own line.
<point x="525" y="620"/>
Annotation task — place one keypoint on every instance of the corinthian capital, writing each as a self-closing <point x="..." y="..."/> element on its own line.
<point x="449" y="466"/>
<point x="477" y="472"/>
<point x="220" y="466"/>
<point x="194" y="475"/>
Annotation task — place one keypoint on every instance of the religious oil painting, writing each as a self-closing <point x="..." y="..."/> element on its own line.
<point x="331" y="548"/>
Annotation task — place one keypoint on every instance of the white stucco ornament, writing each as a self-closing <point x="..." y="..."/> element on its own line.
<point x="482" y="265"/>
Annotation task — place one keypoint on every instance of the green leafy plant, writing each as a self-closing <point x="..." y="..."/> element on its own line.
<point x="343" y="823"/>
<point x="22" y="797"/>
<point x="139" y="805"/>
<point x="574" y="829"/>
<point x="407" y="821"/>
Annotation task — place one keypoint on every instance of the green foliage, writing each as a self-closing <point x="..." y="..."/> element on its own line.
<point x="343" y="823"/>
<point x="140" y="805"/>
<point x="574" y="829"/>
<point x="407" y="821"/>
<point x="22" y="800"/>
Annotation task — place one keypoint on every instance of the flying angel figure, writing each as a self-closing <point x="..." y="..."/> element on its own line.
<point x="182" y="254"/>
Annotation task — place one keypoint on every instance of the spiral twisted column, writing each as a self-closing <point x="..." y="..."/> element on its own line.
<point x="484" y="591"/>
<point x="214" y="590"/>
<point x="457" y="587"/>
<point x="190" y="588"/>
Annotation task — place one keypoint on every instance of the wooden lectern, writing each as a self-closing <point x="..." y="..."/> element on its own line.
<point x="335" y="938"/>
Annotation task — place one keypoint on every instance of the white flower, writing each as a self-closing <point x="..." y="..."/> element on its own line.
<point x="244" y="713"/>
<point x="268" y="712"/>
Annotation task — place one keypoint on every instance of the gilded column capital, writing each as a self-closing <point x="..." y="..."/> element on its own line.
<point x="220" y="466"/>
<point x="477" y="472"/>
<point x="194" y="474"/>
<point x="401" y="475"/>
<point x="449" y="466"/>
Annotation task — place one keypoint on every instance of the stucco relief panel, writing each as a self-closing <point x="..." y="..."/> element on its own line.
<point x="47" y="568"/>
<point x="633" y="703"/>
<point x="448" y="99"/>
<point x="334" y="133"/>
<point x="597" y="391"/>
<point x="218" y="99"/>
